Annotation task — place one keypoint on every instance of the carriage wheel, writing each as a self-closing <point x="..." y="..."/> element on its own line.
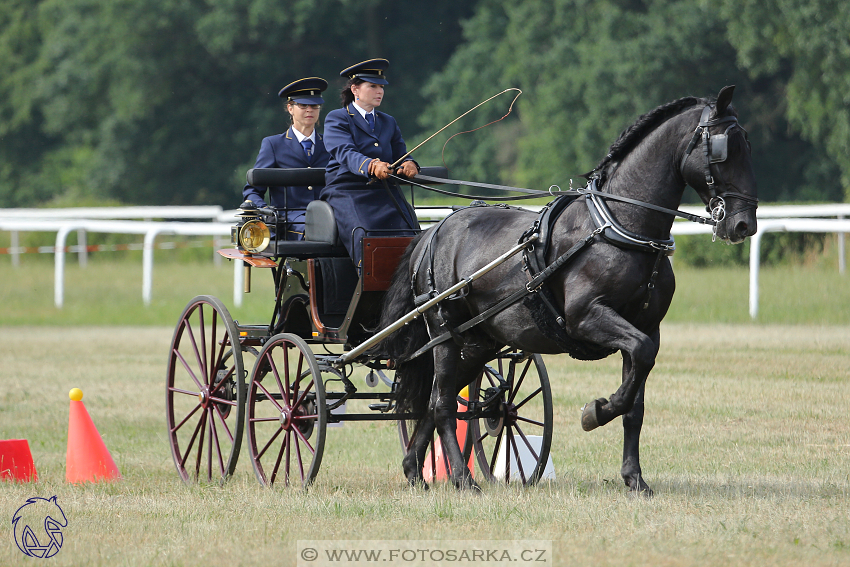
<point x="287" y="417"/>
<point x="205" y="392"/>
<point x="512" y="438"/>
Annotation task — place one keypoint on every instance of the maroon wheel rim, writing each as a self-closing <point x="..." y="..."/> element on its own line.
<point x="287" y="417"/>
<point x="205" y="393"/>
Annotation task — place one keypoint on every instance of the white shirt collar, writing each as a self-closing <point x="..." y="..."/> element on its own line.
<point x="301" y="137"/>
<point x="362" y="111"/>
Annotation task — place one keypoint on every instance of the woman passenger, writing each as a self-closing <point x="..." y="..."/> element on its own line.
<point x="300" y="146"/>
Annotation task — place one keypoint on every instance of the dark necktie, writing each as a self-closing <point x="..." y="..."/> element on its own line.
<point x="308" y="147"/>
<point x="370" y="118"/>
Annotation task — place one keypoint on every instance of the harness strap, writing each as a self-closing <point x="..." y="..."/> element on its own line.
<point x="482" y="185"/>
<point x="537" y="193"/>
<point x="650" y="286"/>
<point x="529" y="288"/>
<point x="614" y="233"/>
<point x="591" y="190"/>
<point x="533" y="194"/>
<point x="404" y="216"/>
<point x="428" y="249"/>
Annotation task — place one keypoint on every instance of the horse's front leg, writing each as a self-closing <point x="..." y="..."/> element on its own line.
<point x="632" y="423"/>
<point x="603" y="326"/>
<point x="636" y="366"/>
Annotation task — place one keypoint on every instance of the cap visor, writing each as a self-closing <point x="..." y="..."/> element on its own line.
<point x="309" y="100"/>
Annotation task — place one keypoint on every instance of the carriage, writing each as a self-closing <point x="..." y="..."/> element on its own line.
<point x="279" y="385"/>
<point x="608" y="285"/>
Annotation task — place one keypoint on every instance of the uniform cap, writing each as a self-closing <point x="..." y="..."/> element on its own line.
<point x="305" y="91"/>
<point x="372" y="71"/>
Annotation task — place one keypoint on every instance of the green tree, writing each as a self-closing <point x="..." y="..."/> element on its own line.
<point x="588" y="70"/>
<point x="167" y="103"/>
<point x="22" y="141"/>
<point x="807" y="42"/>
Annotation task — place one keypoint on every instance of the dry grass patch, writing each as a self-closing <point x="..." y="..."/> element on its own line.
<point x="745" y="442"/>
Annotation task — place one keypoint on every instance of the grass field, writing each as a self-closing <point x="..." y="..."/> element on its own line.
<point x="110" y="293"/>
<point x="746" y="440"/>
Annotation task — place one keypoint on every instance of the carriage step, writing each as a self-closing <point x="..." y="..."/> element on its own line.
<point x="385" y="407"/>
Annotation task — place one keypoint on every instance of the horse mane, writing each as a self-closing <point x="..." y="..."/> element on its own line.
<point x="645" y="124"/>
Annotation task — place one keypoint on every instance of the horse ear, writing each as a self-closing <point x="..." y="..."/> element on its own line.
<point x="723" y="99"/>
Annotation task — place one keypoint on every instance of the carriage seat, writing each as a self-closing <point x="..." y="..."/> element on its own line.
<point x="320" y="233"/>
<point x="320" y="224"/>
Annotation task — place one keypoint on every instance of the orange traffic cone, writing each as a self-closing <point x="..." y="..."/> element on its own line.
<point x="16" y="461"/>
<point x="87" y="459"/>
<point x="439" y="462"/>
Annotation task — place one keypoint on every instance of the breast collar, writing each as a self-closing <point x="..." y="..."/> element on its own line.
<point x="615" y="233"/>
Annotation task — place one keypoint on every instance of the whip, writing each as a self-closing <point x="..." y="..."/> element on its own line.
<point x="519" y="92"/>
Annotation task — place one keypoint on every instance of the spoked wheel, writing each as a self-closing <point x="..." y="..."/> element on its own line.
<point x="512" y="435"/>
<point x="287" y="416"/>
<point x="205" y="392"/>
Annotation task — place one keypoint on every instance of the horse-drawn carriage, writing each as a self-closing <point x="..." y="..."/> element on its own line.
<point x="588" y="276"/>
<point x="225" y="377"/>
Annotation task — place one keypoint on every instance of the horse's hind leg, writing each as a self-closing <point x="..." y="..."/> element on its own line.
<point x="414" y="460"/>
<point x="455" y="367"/>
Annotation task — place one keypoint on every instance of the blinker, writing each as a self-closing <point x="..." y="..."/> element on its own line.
<point x="718" y="148"/>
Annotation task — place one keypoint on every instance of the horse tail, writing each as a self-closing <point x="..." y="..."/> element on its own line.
<point x="413" y="377"/>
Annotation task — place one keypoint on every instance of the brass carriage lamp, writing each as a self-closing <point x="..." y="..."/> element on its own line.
<point x="252" y="236"/>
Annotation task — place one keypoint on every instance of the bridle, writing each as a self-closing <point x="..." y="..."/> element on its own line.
<point x="715" y="149"/>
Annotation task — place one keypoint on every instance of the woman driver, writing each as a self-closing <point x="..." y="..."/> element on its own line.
<point x="363" y="142"/>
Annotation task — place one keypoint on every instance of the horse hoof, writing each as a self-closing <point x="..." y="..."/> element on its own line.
<point x="416" y="483"/>
<point x="470" y="486"/>
<point x="589" y="419"/>
<point x="646" y="493"/>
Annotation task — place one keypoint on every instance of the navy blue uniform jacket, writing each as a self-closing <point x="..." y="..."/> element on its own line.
<point x="284" y="150"/>
<point x="378" y="209"/>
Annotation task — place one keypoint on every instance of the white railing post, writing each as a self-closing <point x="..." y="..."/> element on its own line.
<point x="842" y="260"/>
<point x="755" y="244"/>
<point x="147" y="264"/>
<point x="14" y="249"/>
<point x="59" y="266"/>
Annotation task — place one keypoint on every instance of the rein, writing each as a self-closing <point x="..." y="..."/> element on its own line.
<point x="535" y="193"/>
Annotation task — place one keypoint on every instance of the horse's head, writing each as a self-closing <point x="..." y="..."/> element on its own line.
<point x="717" y="164"/>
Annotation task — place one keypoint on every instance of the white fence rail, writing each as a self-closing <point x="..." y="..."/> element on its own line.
<point x="150" y="229"/>
<point x="64" y="221"/>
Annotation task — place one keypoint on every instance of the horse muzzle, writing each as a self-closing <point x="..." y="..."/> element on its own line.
<point x="735" y="228"/>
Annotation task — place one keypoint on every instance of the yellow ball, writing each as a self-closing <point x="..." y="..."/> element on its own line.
<point x="75" y="394"/>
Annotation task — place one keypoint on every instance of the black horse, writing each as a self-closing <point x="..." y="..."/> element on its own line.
<point x="610" y="296"/>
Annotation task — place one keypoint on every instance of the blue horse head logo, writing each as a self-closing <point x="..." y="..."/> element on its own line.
<point x="38" y="527"/>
